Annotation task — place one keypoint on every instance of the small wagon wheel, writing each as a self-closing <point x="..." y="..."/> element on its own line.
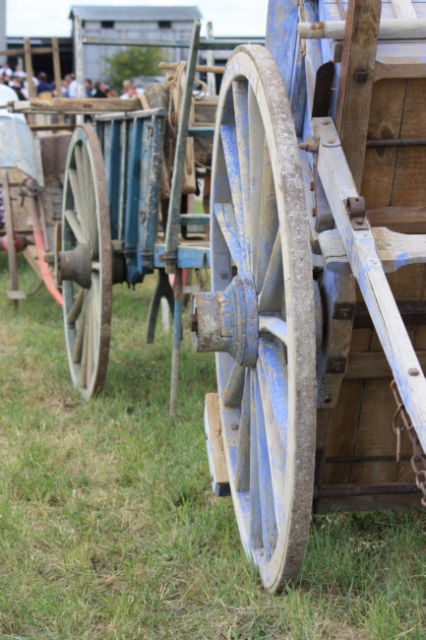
<point x="262" y="279"/>
<point x="85" y="262"/>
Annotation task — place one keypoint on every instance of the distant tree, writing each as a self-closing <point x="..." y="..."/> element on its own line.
<point x="134" y="62"/>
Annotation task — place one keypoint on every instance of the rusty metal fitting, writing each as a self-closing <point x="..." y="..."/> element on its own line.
<point x="310" y="145"/>
<point x="361" y="76"/>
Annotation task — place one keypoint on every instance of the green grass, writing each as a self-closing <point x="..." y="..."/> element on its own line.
<point x="108" y="527"/>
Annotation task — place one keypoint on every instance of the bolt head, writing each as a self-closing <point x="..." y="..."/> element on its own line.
<point x="413" y="372"/>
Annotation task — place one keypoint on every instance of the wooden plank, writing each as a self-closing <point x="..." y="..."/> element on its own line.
<point x="401" y="29"/>
<point x="364" y="366"/>
<point x="367" y="503"/>
<point x="215" y="448"/>
<point x="356" y="81"/>
<point x="399" y="219"/>
<point x="75" y="105"/>
<point x="29" y="68"/>
<point x="396" y="250"/>
<point x="366" y="266"/>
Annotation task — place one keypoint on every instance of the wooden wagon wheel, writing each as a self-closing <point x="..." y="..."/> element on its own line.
<point x="85" y="262"/>
<point x="260" y="317"/>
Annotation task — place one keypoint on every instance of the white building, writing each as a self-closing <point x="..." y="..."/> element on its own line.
<point x="133" y="23"/>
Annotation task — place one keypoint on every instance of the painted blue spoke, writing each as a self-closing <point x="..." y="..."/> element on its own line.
<point x="272" y="291"/>
<point x="266" y="460"/>
<point x="256" y="541"/>
<point x="273" y="377"/>
<point x="272" y="372"/>
<point x="230" y="151"/>
<point x="241" y="111"/>
<point x="268" y="225"/>
<point x="275" y="326"/>
<point x="233" y="390"/>
<point x="257" y="142"/>
<point x="242" y="466"/>
<point x="226" y="219"/>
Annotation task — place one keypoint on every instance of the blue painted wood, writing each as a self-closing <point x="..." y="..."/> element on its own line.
<point x="230" y="149"/>
<point x="112" y="168"/>
<point x="201" y="132"/>
<point x="187" y="257"/>
<point x="281" y="36"/>
<point x="172" y="231"/>
<point x="152" y="188"/>
<point x="201" y="219"/>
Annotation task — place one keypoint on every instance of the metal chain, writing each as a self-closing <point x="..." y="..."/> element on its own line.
<point x="418" y="459"/>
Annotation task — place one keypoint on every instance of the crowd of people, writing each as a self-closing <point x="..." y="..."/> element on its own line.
<point x="44" y="88"/>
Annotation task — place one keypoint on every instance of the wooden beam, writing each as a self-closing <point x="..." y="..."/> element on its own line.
<point x="29" y="68"/>
<point x="400" y="219"/>
<point x="374" y="364"/>
<point x="57" y="72"/>
<point x="356" y="81"/>
<point x="395" y="250"/>
<point x="388" y="29"/>
<point x="75" y="105"/>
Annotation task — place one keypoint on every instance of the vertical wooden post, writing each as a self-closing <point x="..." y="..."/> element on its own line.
<point x="29" y="68"/>
<point x="57" y="72"/>
<point x="79" y="66"/>
<point x="356" y="80"/>
<point x="211" y="77"/>
<point x="10" y="234"/>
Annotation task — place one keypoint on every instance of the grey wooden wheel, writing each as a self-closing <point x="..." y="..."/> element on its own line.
<point x="261" y="257"/>
<point x="85" y="262"/>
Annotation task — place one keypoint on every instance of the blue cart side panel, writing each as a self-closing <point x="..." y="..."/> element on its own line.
<point x="132" y="146"/>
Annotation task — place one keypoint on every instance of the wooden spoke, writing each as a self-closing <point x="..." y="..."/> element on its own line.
<point x="271" y="355"/>
<point x="82" y="181"/>
<point x="79" y="334"/>
<point x="85" y="350"/>
<point x="87" y="316"/>
<point x="269" y="524"/>
<point x="256" y="541"/>
<point x="242" y="465"/>
<point x="225" y="216"/>
<point x="256" y="144"/>
<point x="271" y="294"/>
<point x="76" y="308"/>
<point x="75" y="225"/>
<point x="268" y="225"/>
<point x="240" y="98"/>
<point x="91" y="336"/>
<point x="274" y="326"/>
<point x="78" y="200"/>
<point x="230" y="150"/>
<point x="233" y="392"/>
<point x="272" y="459"/>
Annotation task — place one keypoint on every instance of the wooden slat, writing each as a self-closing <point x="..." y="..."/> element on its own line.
<point x="354" y="97"/>
<point x="75" y="105"/>
<point x="215" y="450"/>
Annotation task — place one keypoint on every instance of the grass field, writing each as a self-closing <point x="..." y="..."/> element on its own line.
<point x="108" y="527"/>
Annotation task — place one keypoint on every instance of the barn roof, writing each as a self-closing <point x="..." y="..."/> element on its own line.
<point x="138" y="13"/>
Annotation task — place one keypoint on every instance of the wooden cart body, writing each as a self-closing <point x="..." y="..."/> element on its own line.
<point x="349" y="224"/>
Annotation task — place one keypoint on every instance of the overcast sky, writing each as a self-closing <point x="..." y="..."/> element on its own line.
<point x="50" y="17"/>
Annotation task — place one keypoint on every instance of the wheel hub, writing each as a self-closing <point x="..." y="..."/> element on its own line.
<point x="227" y="321"/>
<point x="76" y="265"/>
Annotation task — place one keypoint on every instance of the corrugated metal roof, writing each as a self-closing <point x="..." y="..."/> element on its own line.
<point x="125" y="14"/>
